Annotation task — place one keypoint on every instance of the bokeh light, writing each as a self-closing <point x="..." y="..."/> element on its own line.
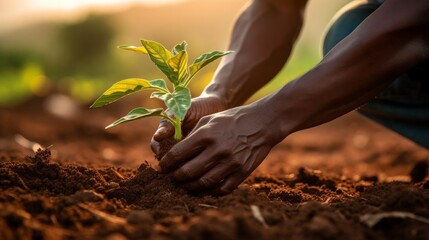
<point x="69" y="47"/>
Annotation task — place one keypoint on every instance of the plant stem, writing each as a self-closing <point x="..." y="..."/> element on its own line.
<point x="177" y="126"/>
<point x="177" y="130"/>
<point x="188" y="80"/>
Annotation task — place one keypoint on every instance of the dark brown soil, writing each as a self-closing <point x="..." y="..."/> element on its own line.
<point x="419" y="171"/>
<point x="330" y="182"/>
<point x="165" y="146"/>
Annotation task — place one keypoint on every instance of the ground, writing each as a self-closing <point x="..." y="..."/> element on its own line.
<point x="348" y="179"/>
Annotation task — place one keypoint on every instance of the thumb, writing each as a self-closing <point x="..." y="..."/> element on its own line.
<point x="165" y="130"/>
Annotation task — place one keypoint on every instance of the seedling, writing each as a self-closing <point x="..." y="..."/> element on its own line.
<point x="174" y="65"/>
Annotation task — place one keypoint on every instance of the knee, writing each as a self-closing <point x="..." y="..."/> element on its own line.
<point x="345" y="21"/>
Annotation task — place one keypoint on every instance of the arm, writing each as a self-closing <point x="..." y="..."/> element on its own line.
<point x="224" y="148"/>
<point x="385" y="45"/>
<point x="262" y="38"/>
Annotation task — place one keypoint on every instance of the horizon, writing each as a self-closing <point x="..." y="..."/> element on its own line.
<point x="21" y="13"/>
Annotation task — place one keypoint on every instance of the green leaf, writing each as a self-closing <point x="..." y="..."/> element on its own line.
<point x="202" y="61"/>
<point x="126" y="87"/>
<point x="136" y="114"/>
<point x="160" y="56"/>
<point x="133" y="48"/>
<point x="179" y="47"/>
<point x="179" y="65"/>
<point x="177" y="102"/>
<point x="160" y="83"/>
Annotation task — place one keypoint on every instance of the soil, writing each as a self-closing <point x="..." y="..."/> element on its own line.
<point x="349" y="179"/>
<point x="165" y="146"/>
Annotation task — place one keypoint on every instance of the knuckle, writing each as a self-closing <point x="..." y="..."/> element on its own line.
<point x="183" y="173"/>
<point x="235" y="164"/>
<point x="224" y="150"/>
<point x="207" y="138"/>
<point x="204" y="120"/>
<point x="206" y="182"/>
<point x="204" y="135"/>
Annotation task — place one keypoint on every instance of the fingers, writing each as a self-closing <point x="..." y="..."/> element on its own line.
<point x="154" y="145"/>
<point x="211" y="179"/>
<point x="230" y="184"/>
<point x="165" y="130"/>
<point x="196" y="167"/>
<point x="183" y="151"/>
<point x="201" y="106"/>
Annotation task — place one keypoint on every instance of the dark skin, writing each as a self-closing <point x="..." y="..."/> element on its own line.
<point x="227" y="142"/>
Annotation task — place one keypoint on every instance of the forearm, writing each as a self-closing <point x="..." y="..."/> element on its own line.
<point x="385" y="45"/>
<point x="262" y="39"/>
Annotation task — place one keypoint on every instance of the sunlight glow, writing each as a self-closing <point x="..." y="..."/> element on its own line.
<point x="76" y="4"/>
<point x="22" y="12"/>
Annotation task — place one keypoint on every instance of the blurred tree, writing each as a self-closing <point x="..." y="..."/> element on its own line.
<point x="15" y="60"/>
<point x="86" y="46"/>
<point x="20" y="76"/>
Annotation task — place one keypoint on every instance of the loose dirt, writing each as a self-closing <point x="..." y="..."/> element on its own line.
<point x="349" y="179"/>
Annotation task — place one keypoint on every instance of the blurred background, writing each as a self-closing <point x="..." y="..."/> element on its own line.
<point x="69" y="47"/>
<point x="56" y="57"/>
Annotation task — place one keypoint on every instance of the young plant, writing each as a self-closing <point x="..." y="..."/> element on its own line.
<point x="174" y="65"/>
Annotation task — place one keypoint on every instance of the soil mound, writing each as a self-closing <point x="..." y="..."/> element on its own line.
<point x="41" y="199"/>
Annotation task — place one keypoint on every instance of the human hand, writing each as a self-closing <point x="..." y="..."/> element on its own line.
<point x="200" y="107"/>
<point x="222" y="150"/>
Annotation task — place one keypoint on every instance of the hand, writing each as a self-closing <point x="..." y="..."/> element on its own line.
<point x="201" y="106"/>
<point x="222" y="150"/>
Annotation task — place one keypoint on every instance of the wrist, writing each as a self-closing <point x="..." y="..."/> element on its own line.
<point x="267" y="121"/>
<point x="282" y="112"/>
<point x="218" y="95"/>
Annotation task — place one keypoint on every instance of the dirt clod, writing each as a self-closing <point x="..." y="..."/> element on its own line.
<point x="86" y="196"/>
<point x="420" y="170"/>
<point x="426" y="185"/>
<point x="165" y="146"/>
<point x="41" y="157"/>
<point x="313" y="178"/>
<point x="139" y="217"/>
